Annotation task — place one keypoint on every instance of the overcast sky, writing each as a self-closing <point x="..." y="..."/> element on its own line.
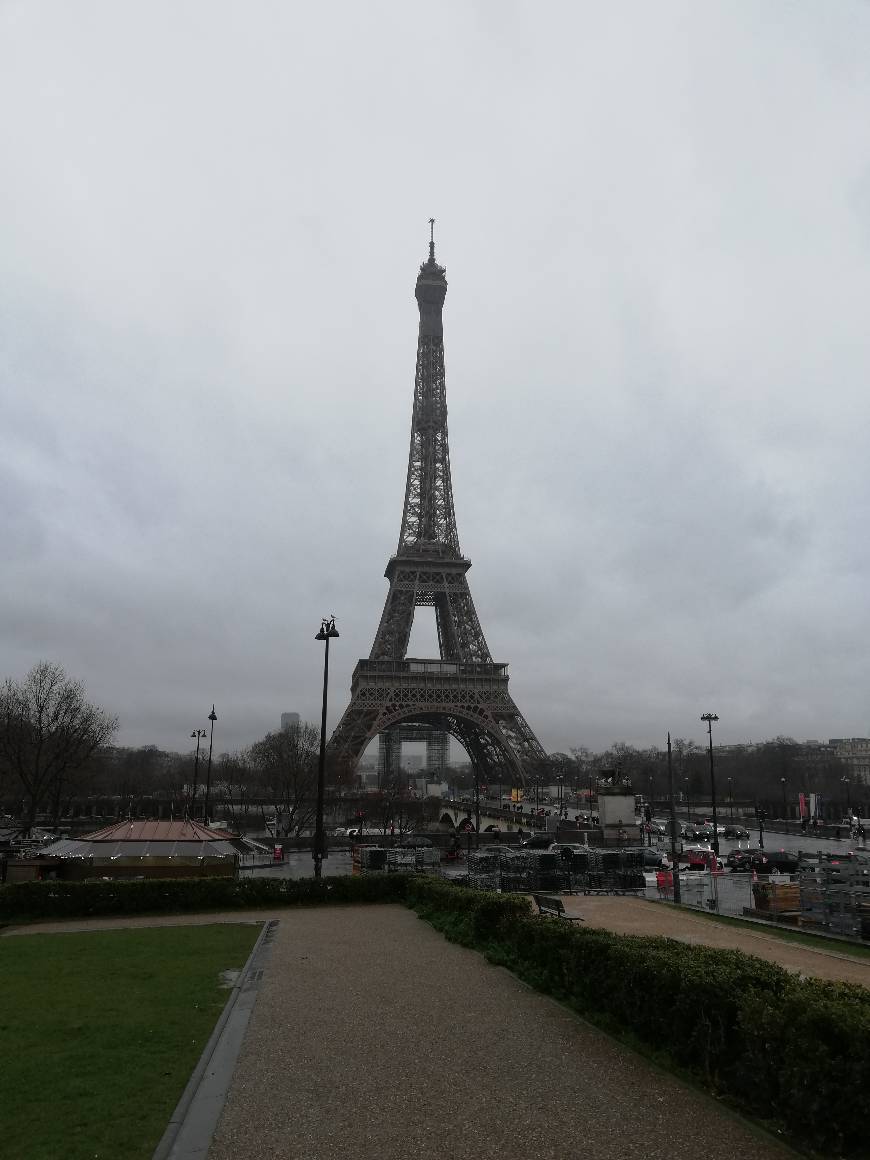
<point x="655" y="219"/>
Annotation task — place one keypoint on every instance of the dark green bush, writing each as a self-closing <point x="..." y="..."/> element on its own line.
<point x="788" y="1050"/>
<point x="27" y="900"/>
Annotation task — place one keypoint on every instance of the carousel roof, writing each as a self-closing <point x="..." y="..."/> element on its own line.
<point x="144" y="839"/>
<point x="140" y="830"/>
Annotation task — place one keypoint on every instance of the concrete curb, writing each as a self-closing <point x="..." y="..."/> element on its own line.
<point x="191" y="1126"/>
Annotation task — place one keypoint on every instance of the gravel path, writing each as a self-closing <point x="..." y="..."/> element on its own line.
<point x="626" y="915"/>
<point x="374" y="1037"/>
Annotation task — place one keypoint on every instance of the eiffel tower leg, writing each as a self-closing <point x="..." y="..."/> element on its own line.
<point x="394" y="631"/>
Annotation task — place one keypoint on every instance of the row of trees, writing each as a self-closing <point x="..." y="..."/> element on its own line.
<point x="56" y="756"/>
<point x="742" y="772"/>
<point x="55" y="750"/>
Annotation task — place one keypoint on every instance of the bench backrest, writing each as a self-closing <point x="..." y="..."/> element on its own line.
<point x="546" y="903"/>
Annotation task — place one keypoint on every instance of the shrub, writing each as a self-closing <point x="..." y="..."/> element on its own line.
<point x="791" y="1050"/>
<point x="28" y="900"/>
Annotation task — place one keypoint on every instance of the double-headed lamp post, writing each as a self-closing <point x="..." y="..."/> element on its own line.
<point x="327" y="632"/>
<point x="198" y="734"/>
<point x="710" y="718"/>
<point x="212" y="717"/>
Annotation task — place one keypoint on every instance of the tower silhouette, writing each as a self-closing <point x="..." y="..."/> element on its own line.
<point x="463" y="692"/>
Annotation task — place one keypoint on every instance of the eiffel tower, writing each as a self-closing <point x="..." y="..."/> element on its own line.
<point x="463" y="692"/>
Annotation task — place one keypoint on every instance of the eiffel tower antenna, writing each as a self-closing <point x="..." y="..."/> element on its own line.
<point x="462" y="692"/>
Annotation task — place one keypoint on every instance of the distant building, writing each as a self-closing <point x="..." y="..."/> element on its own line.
<point x="854" y="752"/>
<point x="289" y="720"/>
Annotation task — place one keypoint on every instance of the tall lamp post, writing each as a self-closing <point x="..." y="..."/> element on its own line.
<point x="212" y="717"/>
<point x="675" y="866"/>
<point x="731" y="796"/>
<point x="198" y="734"/>
<point x="710" y="718"/>
<point x="784" y="807"/>
<point x="327" y="632"/>
<point x="688" y="801"/>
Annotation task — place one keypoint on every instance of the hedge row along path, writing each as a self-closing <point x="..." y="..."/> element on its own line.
<point x="618" y="914"/>
<point x="623" y="915"/>
<point x="373" y="1036"/>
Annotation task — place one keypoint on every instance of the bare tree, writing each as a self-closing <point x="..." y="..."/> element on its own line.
<point x="48" y="731"/>
<point x="232" y="785"/>
<point x="286" y="766"/>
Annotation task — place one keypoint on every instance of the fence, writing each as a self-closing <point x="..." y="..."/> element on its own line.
<point x="595" y="871"/>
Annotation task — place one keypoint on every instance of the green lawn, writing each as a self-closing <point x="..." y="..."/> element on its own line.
<point x="100" y="1031"/>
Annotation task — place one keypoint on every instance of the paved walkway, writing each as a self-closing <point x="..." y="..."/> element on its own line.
<point x="372" y="1036"/>
<point x="626" y="915"/>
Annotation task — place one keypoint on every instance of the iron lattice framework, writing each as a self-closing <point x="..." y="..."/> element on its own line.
<point x="464" y="692"/>
<point x="390" y="750"/>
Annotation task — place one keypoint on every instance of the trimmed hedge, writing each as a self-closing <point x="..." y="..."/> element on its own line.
<point x="788" y="1050"/>
<point x="28" y="900"/>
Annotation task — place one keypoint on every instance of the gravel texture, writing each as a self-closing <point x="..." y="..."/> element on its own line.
<point x="626" y="915"/>
<point x="374" y="1037"/>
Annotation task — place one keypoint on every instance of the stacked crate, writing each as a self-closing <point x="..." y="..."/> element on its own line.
<point x="835" y="896"/>
<point x="484" y="870"/>
<point x="612" y="871"/>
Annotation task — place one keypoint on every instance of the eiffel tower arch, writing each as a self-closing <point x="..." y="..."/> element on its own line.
<point x="463" y="691"/>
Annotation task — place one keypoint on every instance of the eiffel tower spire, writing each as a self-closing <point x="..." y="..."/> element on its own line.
<point x="463" y="692"/>
<point x="428" y="518"/>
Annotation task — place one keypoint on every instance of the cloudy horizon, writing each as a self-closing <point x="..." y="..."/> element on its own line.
<point x="655" y="221"/>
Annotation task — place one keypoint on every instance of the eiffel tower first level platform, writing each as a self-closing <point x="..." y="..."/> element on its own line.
<point x="462" y="692"/>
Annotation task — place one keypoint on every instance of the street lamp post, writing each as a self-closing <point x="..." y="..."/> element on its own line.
<point x="845" y="782"/>
<point x="198" y="734"/>
<point x="675" y="866"/>
<point x="212" y="717"/>
<point x="326" y="634"/>
<point x="731" y="796"/>
<point x="688" y="801"/>
<point x="710" y="718"/>
<point x="761" y="814"/>
<point x="784" y="807"/>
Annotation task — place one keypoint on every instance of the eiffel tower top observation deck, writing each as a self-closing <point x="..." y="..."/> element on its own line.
<point x="463" y="692"/>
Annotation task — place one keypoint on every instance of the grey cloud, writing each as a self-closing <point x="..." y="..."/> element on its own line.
<point x="655" y="232"/>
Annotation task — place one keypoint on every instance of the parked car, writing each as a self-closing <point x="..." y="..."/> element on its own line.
<point x="698" y="858"/>
<point x="538" y="842"/>
<point x="739" y="833"/>
<point x="501" y="851"/>
<point x="571" y="847"/>
<point x="763" y="861"/>
<point x="741" y="859"/>
<point x="650" y="857"/>
<point x="781" y="861"/>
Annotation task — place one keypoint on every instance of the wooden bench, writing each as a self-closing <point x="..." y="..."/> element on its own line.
<point x="548" y="905"/>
